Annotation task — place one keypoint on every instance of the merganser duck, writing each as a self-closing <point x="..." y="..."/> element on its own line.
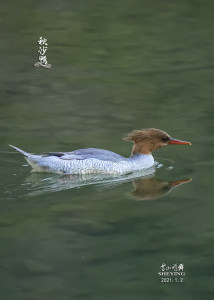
<point x="92" y="160"/>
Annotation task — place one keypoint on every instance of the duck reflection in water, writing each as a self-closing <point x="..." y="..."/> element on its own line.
<point x="152" y="188"/>
<point x="145" y="185"/>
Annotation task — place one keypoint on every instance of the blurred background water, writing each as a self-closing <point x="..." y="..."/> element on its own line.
<point x="116" y="66"/>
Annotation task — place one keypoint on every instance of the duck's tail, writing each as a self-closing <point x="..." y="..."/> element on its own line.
<point x="35" y="161"/>
<point x="21" y="151"/>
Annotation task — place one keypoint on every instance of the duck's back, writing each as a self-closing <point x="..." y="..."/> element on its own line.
<point x="82" y="154"/>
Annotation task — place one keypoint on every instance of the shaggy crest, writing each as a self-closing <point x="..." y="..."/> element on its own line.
<point x="144" y="134"/>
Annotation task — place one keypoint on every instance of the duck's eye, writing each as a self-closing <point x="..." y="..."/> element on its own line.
<point x="165" y="139"/>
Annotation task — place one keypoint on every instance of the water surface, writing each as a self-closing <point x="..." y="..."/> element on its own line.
<point x="116" y="66"/>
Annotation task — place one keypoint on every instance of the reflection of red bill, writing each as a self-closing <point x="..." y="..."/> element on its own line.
<point x="178" y="142"/>
<point x="179" y="182"/>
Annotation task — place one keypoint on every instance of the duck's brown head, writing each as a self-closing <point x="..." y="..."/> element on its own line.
<point x="148" y="140"/>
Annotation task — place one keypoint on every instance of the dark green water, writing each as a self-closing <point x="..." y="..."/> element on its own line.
<point x="116" y="66"/>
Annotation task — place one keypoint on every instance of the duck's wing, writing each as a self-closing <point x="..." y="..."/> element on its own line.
<point x="82" y="154"/>
<point x="58" y="154"/>
<point x="64" y="155"/>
